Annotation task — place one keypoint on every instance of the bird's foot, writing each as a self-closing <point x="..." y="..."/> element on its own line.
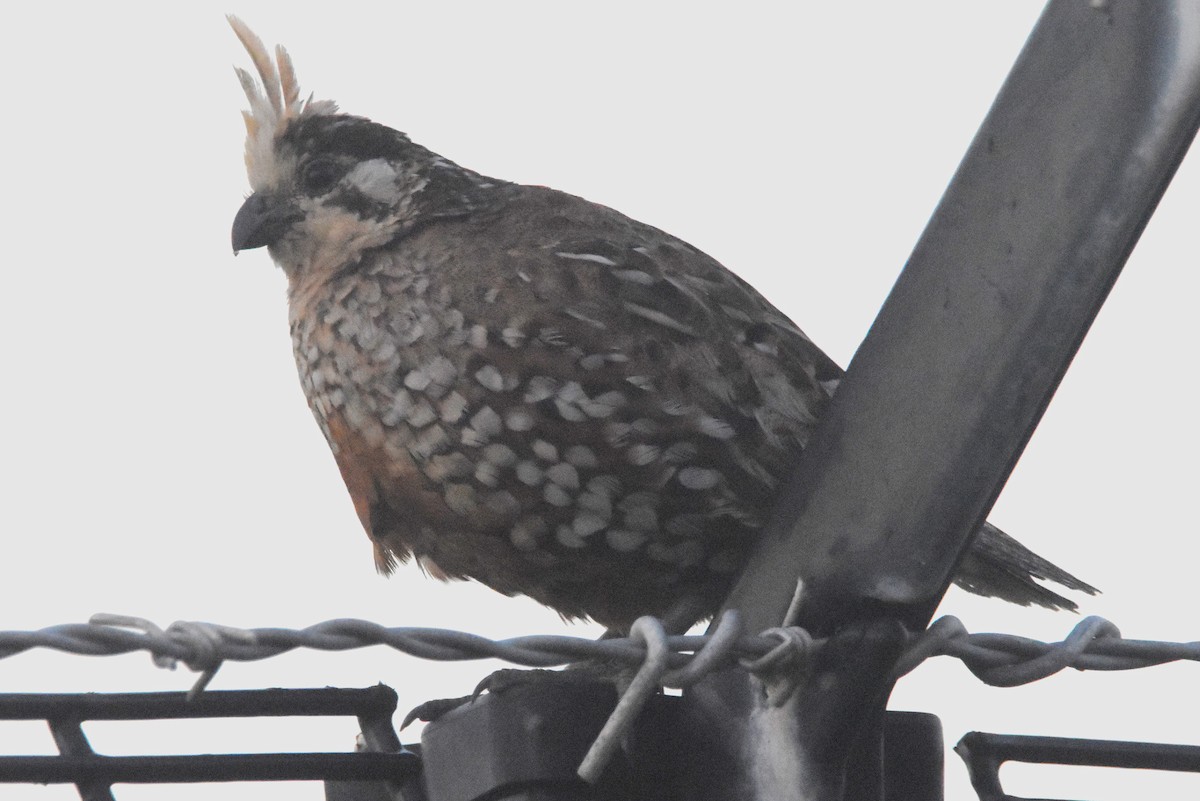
<point x="432" y="710"/>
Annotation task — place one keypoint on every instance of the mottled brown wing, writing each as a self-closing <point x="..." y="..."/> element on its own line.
<point x="593" y="413"/>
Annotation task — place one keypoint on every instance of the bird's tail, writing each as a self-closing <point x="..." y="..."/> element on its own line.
<point x="999" y="566"/>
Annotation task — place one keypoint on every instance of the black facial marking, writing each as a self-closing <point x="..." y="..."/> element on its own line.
<point x="365" y="207"/>
<point x="330" y="146"/>
<point x="320" y="174"/>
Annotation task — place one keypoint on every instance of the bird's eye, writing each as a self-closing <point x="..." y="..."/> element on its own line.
<point x="320" y="175"/>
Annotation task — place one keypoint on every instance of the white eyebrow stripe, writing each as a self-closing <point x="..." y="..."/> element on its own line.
<point x="375" y="178"/>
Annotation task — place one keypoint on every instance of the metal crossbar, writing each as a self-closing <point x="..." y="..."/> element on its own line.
<point x="383" y="757"/>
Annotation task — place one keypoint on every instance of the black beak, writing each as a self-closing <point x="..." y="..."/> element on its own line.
<point x="261" y="221"/>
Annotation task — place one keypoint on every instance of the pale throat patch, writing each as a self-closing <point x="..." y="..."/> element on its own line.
<point x="331" y="237"/>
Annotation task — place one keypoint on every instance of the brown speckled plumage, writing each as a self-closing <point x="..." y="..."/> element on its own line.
<point x="532" y="390"/>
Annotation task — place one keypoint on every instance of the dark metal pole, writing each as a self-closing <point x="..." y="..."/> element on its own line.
<point x="969" y="347"/>
<point x="943" y="394"/>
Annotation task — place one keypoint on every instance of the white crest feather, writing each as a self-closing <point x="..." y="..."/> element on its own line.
<point x="274" y="104"/>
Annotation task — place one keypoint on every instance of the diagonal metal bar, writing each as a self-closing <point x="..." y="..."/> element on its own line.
<point x="945" y="391"/>
<point x="72" y="742"/>
<point x="970" y="345"/>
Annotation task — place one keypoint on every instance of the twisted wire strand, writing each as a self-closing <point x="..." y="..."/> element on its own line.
<point x="997" y="659"/>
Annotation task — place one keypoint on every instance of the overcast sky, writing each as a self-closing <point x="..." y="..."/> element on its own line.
<point x="159" y="459"/>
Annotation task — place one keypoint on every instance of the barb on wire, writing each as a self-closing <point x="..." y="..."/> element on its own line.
<point x="650" y="632"/>
<point x="203" y="642"/>
<point x="1006" y="660"/>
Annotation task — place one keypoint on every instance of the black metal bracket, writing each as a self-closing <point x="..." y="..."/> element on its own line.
<point x="984" y="754"/>
<point x="383" y="760"/>
<point x="519" y="744"/>
<point x="526" y="742"/>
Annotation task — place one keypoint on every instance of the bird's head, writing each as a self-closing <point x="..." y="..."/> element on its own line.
<point x="328" y="187"/>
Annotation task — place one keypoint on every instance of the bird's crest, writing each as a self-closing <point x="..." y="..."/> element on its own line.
<point x="273" y="104"/>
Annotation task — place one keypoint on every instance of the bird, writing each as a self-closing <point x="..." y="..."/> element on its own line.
<point x="531" y="390"/>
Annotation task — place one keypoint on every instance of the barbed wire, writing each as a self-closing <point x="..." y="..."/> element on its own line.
<point x="779" y="657"/>
<point x="997" y="659"/>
